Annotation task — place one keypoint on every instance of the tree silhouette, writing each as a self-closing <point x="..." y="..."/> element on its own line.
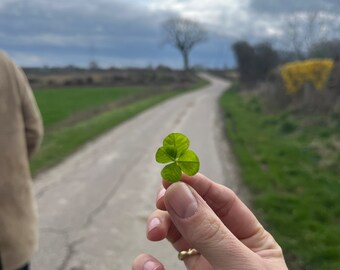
<point x="183" y="34"/>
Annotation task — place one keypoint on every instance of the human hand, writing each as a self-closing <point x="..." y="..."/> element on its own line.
<point x="198" y="213"/>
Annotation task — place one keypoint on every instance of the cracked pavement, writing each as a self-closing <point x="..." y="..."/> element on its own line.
<point x="93" y="206"/>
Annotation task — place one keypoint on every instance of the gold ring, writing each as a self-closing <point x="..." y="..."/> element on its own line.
<point x="186" y="253"/>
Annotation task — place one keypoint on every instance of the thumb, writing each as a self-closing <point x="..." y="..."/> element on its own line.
<point x="203" y="230"/>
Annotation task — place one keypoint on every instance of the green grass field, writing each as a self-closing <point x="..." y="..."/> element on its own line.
<point x="57" y="105"/>
<point x="292" y="166"/>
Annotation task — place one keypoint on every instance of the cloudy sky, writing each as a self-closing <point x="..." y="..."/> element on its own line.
<point x="128" y="33"/>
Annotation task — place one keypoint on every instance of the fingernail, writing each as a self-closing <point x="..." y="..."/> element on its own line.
<point x="160" y="193"/>
<point x="182" y="200"/>
<point x="153" y="224"/>
<point x="150" y="265"/>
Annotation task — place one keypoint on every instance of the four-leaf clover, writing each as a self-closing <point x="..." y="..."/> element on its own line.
<point x="175" y="152"/>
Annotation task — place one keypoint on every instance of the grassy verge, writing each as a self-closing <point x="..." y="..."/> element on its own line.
<point x="291" y="164"/>
<point x="60" y="143"/>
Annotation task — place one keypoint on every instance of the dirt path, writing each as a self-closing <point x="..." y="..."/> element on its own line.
<point x="94" y="205"/>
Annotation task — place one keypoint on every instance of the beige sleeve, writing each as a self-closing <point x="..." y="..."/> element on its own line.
<point x="31" y="114"/>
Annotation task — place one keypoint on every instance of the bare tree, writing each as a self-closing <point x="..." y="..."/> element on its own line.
<point x="303" y="30"/>
<point x="183" y="34"/>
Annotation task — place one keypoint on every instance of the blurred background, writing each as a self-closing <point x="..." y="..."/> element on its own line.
<point x="95" y="64"/>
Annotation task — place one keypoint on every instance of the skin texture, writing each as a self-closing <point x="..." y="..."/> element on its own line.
<point x="198" y="213"/>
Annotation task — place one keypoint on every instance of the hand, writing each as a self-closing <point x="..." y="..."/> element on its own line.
<point x="198" y="213"/>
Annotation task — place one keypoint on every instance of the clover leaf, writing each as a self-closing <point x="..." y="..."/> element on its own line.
<point x="175" y="151"/>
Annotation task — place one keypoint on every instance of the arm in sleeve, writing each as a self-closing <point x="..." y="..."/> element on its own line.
<point x="31" y="114"/>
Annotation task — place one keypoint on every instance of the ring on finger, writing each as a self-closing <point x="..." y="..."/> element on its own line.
<point x="187" y="253"/>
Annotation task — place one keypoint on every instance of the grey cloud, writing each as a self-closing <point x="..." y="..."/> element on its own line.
<point x="56" y="32"/>
<point x="70" y="28"/>
<point x="289" y="6"/>
<point x="109" y="18"/>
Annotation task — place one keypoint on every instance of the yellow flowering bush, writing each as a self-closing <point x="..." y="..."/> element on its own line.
<point x="314" y="71"/>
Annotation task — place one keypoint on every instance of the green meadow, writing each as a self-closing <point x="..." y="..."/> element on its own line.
<point x="58" y="104"/>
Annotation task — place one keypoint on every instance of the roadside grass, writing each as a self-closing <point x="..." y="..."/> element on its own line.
<point x="292" y="165"/>
<point x="58" y="104"/>
<point x="60" y="143"/>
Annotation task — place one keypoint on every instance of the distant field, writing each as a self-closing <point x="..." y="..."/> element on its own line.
<point x="58" y="104"/>
<point x="292" y="165"/>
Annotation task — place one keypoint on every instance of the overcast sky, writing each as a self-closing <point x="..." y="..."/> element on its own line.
<point x="128" y="33"/>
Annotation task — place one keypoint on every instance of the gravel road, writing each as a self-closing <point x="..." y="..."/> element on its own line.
<point x="93" y="206"/>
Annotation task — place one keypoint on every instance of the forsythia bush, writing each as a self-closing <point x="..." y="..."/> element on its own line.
<point x="314" y="71"/>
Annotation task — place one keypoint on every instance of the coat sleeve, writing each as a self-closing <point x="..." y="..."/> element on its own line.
<point x="30" y="112"/>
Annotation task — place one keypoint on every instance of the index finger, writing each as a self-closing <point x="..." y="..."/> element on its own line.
<point x="234" y="214"/>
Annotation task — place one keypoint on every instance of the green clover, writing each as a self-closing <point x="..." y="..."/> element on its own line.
<point x="175" y="152"/>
